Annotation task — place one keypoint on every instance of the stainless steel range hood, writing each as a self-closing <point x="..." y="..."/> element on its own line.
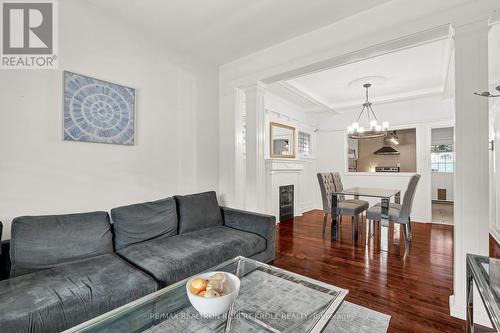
<point x="386" y="150"/>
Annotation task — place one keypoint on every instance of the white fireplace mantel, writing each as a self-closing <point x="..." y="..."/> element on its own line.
<point x="277" y="165"/>
<point x="281" y="172"/>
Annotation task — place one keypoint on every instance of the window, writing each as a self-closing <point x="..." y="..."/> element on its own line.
<point x="304" y="143"/>
<point x="443" y="158"/>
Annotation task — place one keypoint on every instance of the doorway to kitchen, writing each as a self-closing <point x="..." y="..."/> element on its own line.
<point x="442" y="171"/>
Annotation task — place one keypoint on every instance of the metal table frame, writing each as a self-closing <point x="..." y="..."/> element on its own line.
<point x="477" y="272"/>
<point x="385" y="196"/>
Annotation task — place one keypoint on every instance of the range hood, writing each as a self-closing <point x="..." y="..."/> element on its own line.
<point x="386" y="150"/>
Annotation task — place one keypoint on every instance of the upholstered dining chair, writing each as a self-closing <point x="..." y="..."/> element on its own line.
<point x="330" y="182"/>
<point x="398" y="213"/>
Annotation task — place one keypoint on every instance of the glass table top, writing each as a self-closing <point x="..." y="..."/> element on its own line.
<point x="369" y="192"/>
<point x="270" y="300"/>
<point x="486" y="272"/>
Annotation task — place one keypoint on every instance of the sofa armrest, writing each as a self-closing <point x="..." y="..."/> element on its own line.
<point x="260" y="224"/>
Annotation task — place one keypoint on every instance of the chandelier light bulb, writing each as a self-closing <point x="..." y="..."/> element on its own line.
<point x="385" y="125"/>
<point x="373" y="124"/>
<point x="355" y="125"/>
<point x="350" y="129"/>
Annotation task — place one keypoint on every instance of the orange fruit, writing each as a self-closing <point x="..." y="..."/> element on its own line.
<point x="199" y="284"/>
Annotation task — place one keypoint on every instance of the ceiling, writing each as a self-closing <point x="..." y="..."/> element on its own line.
<point x="220" y="31"/>
<point x="296" y="97"/>
<point x="393" y="76"/>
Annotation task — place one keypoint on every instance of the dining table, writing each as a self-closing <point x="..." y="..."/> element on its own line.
<point x="385" y="195"/>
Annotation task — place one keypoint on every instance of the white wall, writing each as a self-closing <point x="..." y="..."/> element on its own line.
<point x="494" y="131"/>
<point x="442" y="180"/>
<point x="494" y="157"/>
<point x="284" y="112"/>
<point x="442" y="136"/>
<point x="422" y="114"/>
<point x="176" y="148"/>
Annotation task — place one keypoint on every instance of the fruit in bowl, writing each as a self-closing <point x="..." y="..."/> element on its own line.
<point x="212" y="293"/>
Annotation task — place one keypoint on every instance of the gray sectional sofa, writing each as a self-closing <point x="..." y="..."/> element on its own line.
<point x="66" y="269"/>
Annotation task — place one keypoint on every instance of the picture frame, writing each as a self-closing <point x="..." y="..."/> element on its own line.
<point x="97" y="111"/>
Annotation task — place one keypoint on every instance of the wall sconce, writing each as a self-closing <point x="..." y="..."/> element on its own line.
<point x="488" y="94"/>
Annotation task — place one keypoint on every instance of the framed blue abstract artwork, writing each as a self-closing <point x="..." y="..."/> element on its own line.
<point x="98" y="111"/>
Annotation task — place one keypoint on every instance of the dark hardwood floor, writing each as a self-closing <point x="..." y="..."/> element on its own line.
<point x="413" y="289"/>
<point x="494" y="248"/>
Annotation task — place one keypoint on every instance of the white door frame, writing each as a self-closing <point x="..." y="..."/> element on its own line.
<point x="443" y="124"/>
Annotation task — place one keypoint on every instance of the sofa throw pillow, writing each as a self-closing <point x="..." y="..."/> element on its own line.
<point x="143" y="221"/>
<point x="198" y="211"/>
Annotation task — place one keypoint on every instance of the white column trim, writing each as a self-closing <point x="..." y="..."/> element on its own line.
<point x="255" y="139"/>
<point x="471" y="209"/>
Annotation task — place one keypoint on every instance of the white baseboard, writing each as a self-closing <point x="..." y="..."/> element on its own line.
<point x="480" y="315"/>
<point x="420" y="219"/>
<point x="306" y="208"/>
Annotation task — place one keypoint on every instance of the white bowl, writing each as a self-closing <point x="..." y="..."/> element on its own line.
<point x="215" y="306"/>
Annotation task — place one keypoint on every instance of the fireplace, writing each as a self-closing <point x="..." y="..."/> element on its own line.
<point x="286" y="202"/>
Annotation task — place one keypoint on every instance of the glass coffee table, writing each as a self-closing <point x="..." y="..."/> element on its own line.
<point x="485" y="272"/>
<point x="270" y="300"/>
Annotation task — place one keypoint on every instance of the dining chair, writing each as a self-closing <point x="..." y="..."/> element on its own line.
<point x="398" y="213"/>
<point x="330" y="182"/>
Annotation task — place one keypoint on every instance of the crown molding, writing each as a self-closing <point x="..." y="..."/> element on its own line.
<point x="495" y="17"/>
<point x="322" y="107"/>
<point x="345" y="107"/>
<point x="415" y="94"/>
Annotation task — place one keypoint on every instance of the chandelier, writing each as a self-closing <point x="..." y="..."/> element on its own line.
<point x="374" y="129"/>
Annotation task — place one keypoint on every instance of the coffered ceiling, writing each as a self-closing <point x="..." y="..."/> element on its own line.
<point x="412" y="72"/>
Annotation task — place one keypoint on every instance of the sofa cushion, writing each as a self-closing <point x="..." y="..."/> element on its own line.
<point x="59" y="298"/>
<point x="198" y="211"/>
<point x="140" y="222"/>
<point x="172" y="259"/>
<point x="42" y="242"/>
